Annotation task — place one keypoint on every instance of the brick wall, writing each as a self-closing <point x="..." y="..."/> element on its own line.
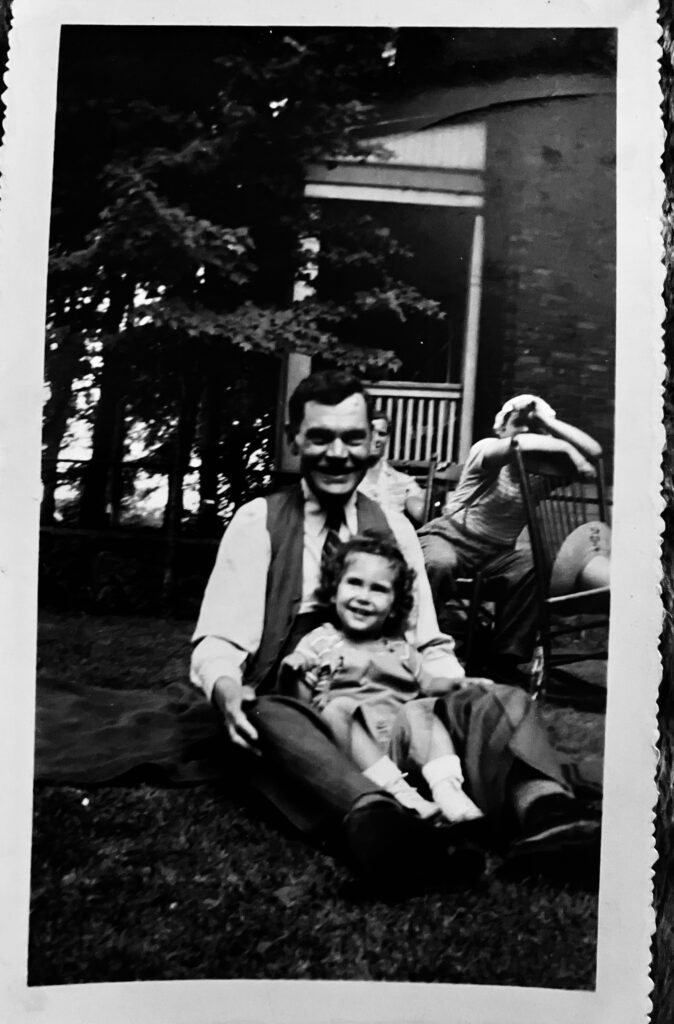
<point x="548" y="322"/>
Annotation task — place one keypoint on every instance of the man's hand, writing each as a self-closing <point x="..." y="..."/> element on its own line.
<point x="583" y="468"/>
<point x="228" y="697"/>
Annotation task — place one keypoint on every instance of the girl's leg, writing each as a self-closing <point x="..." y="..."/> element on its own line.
<point x="364" y="749"/>
<point x="381" y="770"/>
<point x="444" y="775"/>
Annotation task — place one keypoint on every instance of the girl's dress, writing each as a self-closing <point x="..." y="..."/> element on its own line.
<point x="400" y="692"/>
<point x="372" y="680"/>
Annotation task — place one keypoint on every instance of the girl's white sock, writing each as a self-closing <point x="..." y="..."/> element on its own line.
<point x="440" y="768"/>
<point x="383" y="772"/>
<point x="445" y="778"/>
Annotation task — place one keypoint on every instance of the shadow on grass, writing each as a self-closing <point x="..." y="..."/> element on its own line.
<point x="147" y="883"/>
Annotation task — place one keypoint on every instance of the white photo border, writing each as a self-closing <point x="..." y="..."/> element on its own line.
<point x="626" y="917"/>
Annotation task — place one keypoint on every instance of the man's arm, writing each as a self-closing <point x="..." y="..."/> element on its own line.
<point x="414" y="506"/>
<point x="425" y="631"/>
<point x="541" y="452"/>
<point x="415" y="500"/>
<point x="230" y="622"/>
<point x="586" y="445"/>
<point x="406" y="494"/>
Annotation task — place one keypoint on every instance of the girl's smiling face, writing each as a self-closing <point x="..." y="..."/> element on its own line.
<point x="365" y="595"/>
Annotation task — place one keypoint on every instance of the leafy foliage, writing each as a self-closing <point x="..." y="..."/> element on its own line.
<point x="179" y="220"/>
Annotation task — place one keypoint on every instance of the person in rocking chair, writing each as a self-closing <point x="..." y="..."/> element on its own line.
<point x="485" y="515"/>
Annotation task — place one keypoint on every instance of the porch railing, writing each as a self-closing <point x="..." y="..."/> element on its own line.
<point x="423" y="418"/>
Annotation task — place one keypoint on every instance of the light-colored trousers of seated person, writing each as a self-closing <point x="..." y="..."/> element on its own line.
<point x="510" y="571"/>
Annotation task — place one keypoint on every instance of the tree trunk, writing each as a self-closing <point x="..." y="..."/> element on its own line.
<point x="115" y="488"/>
<point x="94" y="505"/>
<point x="235" y="463"/>
<point x="209" y="442"/>
<point x="109" y="427"/>
<point x="182" y="447"/>
<point x="62" y="368"/>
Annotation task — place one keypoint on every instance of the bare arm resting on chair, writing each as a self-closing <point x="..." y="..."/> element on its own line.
<point x="547" y="443"/>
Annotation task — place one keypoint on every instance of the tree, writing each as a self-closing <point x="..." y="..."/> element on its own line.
<point x="177" y="233"/>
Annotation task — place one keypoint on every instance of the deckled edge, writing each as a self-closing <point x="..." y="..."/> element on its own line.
<point x="662" y="947"/>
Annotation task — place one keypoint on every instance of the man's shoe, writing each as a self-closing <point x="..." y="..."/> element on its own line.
<point x="381" y="836"/>
<point x="560" y="850"/>
<point x="394" y="850"/>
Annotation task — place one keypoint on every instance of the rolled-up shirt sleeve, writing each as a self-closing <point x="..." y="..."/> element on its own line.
<point x="229" y="628"/>
<point x="412" y="488"/>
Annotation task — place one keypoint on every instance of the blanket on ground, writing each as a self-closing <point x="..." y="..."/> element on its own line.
<point x="168" y="736"/>
<point x="98" y="735"/>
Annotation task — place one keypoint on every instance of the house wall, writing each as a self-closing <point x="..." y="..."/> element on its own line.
<point x="548" y="314"/>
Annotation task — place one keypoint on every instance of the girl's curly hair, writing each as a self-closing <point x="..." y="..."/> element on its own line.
<point x="372" y="543"/>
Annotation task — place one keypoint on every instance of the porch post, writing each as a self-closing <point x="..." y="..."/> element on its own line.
<point x="471" y="340"/>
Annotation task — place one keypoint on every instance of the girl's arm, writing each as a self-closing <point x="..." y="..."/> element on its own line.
<point x="438" y="670"/>
<point x="296" y="676"/>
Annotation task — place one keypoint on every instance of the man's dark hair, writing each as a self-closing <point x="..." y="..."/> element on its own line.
<point x="372" y="543"/>
<point x="329" y="387"/>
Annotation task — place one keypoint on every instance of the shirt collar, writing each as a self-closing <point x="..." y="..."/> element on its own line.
<point x="314" y="514"/>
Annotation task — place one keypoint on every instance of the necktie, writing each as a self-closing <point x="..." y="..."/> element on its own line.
<point x="333" y="522"/>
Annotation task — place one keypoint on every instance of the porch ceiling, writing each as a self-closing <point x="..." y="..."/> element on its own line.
<point x="420" y="110"/>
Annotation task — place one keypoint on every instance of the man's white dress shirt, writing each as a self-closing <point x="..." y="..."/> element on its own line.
<point x="389" y="487"/>
<point x="230" y="623"/>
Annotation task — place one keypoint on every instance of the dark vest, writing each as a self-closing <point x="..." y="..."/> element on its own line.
<point x="285" y="526"/>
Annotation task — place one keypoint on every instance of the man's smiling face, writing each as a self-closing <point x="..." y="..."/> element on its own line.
<point x="333" y="442"/>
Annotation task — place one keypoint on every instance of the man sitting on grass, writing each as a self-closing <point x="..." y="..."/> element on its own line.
<point x="262" y="599"/>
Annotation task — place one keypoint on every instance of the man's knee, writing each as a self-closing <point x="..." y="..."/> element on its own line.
<point x="286" y="719"/>
<point x="484" y="700"/>
<point x="438" y="552"/>
<point x="420" y="711"/>
<point x="521" y="565"/>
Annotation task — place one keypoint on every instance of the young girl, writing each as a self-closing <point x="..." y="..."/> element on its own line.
<point x="364" y="678"/>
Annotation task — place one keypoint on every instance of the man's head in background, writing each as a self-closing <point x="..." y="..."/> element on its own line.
<point x="381" y="431"/>
<point x="520" y="415"/>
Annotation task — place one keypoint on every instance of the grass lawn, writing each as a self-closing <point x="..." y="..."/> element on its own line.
<point x="141" y="883"/>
